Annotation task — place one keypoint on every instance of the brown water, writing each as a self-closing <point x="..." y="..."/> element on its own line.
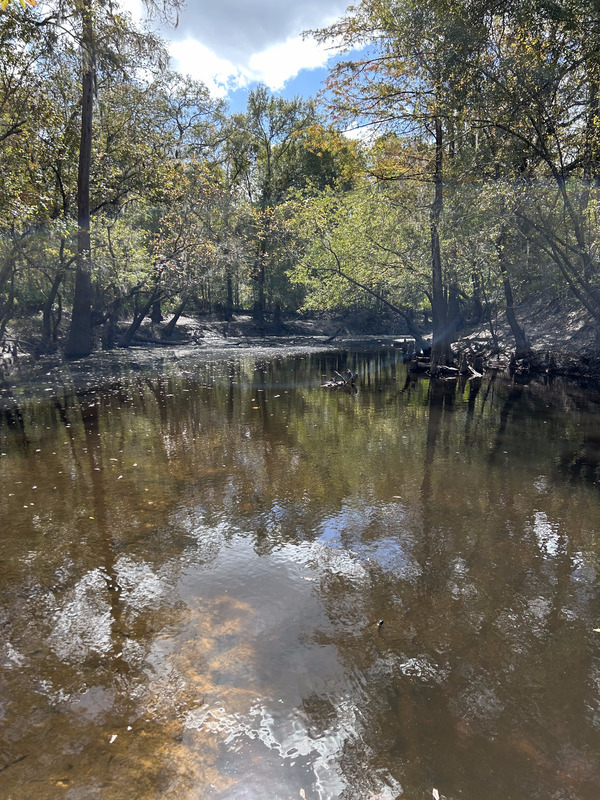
<point x="195" y="555"/>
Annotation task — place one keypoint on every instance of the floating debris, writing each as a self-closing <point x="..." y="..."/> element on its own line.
<point x="341" y="382"/>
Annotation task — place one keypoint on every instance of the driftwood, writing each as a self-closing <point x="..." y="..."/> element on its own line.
<point x="341" y="382"/>
<point x="422" y="365"/>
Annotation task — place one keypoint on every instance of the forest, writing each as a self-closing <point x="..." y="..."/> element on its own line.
<point x="449" y="170"/>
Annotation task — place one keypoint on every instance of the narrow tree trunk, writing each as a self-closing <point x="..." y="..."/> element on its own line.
<point x="127" y="337"/>
<point x="48" y="334"/>
<point x="175" y="318"/>
<point x="109" y="334"/>
<point x="56" y="320"/>
<point x="7" y="271"/>
<point x="277" y="318"/>
<point x="453" y="314"/>
<point x="8" y="307"/>
<point x="258" y="312"/>
<point x="156" y="313"/>
<point x="80" y="334"/>
<point x="489" y="319"/>
<point x="440" y="346"/>
<point x="521" y="344"/>
<point x="229" y="303"/>
<point x="591" y="166"/>
<point x="477" y="302"/>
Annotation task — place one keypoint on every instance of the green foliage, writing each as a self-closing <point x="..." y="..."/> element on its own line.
<point x="483" y="152"/>
<point x="361" y="247"/>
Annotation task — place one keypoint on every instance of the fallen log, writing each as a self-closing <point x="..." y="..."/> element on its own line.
<point x="341" y="382"/>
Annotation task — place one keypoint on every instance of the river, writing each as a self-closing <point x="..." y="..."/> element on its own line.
<point x="220" y="580"/>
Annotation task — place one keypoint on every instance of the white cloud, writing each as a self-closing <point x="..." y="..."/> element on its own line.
<point x="273" y="66"/>
<point x="280" y="62"/>
<point x="238" y="29"/>
<point x="362" y="133"/>
<point x="134" y="7"/>
<point x="218" y="74"/>
<point x="230" y="44"/>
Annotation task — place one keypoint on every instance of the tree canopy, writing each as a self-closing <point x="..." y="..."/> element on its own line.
<point x="128" y="190"/>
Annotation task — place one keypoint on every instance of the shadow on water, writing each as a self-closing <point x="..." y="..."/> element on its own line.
<point x="195" y="557"/>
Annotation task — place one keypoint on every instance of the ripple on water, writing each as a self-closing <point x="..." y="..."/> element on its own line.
<point x="82" y="624"/>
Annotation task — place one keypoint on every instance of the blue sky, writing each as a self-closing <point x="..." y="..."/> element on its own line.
<point x="306" y="83"/>
<point x="231" y="45"/>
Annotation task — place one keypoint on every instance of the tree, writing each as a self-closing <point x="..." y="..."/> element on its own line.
<point x="540" y="73"/>
<point x="409" y="81"/>
<point x="103" y="37"/>
<point x="367" y="248"/>
<point x="28" y="116"/>
<point x="84" y="16"/>
<point x="258" y="149"/>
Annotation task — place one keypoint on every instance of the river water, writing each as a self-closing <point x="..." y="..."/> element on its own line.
<point x="196" y="554"/>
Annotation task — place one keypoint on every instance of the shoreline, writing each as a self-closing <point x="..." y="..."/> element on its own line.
<point x="563" y="340"/>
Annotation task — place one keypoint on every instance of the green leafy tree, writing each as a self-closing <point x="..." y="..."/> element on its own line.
<point x="410" y="80"/>
<point x="259" y="151"/>
<point x="88" y="22"/>
<point x="366" y="248"/>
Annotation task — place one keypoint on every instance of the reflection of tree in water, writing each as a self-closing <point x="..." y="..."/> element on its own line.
<point x="66" y="625"/>
<point x="481" y="659"/>
<point x="387" y="507"/>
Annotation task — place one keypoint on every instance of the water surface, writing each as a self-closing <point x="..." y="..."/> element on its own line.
<point x="195" y="555"/>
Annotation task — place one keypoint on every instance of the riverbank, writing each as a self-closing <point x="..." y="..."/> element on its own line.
<point x="562" y="337"/>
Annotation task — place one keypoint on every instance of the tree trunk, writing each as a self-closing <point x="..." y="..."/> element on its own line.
<point x="156" y="314"/>
<point x="175" y="318"/>
<point x="591" y="167"/>
<point x="258" y="312"/>
<point x="229" y="303"/>
<point x="48" y="330"/>
<point x="453" y="313"/>
<point x="440" y="346"/>
<point x="127" y="337"/>
<point x="7" y="271"/>
<point x="477" y="302"/>
<point x="80" y="333"/>
<point x="521" y="344"/>
<point x="109" y="334"/>
<point x="7" y="308"/>
<point x="56" y="320"/>
<point x="277" y="318"/>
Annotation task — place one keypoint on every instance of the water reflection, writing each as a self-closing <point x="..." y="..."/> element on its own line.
<point x="195" y="557"/>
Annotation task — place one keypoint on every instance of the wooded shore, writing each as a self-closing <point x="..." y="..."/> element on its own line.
<point x="562" y="340"/>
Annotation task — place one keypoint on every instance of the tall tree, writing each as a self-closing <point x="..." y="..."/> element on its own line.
<point x="90" y="18"/>
<point x="258" y="147"/>
<point x="540" y="75"/>
<point x="409" y="79"/>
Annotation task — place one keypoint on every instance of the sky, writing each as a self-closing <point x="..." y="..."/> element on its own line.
<point x="231" y="45"/>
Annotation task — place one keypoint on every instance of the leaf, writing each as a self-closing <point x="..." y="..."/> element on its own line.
<point x="4" y="3"/>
